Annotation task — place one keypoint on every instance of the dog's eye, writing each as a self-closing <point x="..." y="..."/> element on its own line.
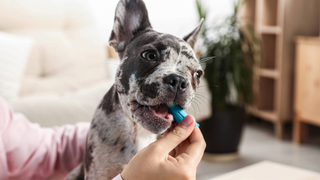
<point x="149" y="55"/>
<point x="198" y="74"/>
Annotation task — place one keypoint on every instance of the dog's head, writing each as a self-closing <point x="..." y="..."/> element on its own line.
<point x="155" y="68"/>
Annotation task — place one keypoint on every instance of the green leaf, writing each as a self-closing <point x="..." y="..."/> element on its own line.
<point x="237" y="51"/>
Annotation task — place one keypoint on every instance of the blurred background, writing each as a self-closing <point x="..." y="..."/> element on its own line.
<point x="258" y="105"/>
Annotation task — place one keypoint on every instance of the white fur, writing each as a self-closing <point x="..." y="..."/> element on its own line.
<point x="145" y="138"/>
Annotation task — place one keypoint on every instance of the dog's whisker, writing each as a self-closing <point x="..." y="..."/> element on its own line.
<point x="199" y="103"/>
<point x="194" y="111"/>
<point x="196" y="104"/>
<point x="195" y="99"/>
<point x="203" y="97"/>
<point x="206" y="59"/>
<point x="207" y="103"/>
<point x="190" y="103"/>
<point x="207" y="86"/>
<point x="193" y="108"/>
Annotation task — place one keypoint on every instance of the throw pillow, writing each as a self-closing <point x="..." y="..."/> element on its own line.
<point x="14" y="53"/>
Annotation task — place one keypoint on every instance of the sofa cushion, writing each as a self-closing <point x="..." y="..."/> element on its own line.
<point x="14" y="53"/>
<point x="59" y="109"/>
<point x="67" y="44"/>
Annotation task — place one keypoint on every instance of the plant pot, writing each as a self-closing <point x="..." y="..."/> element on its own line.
<point x="222" y="131"/>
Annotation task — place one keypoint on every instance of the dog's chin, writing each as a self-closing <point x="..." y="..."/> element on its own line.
<point x="155" y="119"/>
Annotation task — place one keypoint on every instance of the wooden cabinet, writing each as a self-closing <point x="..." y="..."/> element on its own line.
<point x="307" y="86"/>
<point x="277" y="23"/>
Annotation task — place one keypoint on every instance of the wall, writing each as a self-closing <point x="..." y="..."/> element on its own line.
<point x="177" y="17"/>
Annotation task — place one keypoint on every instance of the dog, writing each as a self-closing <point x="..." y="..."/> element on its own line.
<point x="155" y="68"/>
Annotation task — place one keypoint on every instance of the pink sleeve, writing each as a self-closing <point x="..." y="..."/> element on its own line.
<point x="28" y="151"/>
<point x="117" y="177"/>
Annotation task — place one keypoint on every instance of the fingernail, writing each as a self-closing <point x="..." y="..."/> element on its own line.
<point x="186" y="122"/>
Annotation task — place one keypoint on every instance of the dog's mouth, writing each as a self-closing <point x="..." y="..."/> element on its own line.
<point x="156" y="119"/>
<point x="159" y="111"/>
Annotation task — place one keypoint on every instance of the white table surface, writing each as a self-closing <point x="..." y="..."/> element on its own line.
<point x="267" y="170"/>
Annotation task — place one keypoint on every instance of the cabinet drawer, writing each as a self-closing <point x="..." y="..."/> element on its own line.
<point x="307" y="81"/>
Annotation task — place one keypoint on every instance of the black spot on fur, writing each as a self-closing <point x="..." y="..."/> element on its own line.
<point x="172" y="42"/>
<point x="116" y="141"/>
<point x="109" y="101"/>
<point x="104" y="139"/>
<point x="123" y="148"/>
<point x="118" y="73"/>
<point x="180" y="40"/>
<point x="88" y="156"/>
<point x="150" y="90"/>
<point x="187" y="54"/>
<point x="184" y="48"/>
<point x="81" y="175"/>
<point x="93" y="125"/>
<point x="133" y="151"/>
<point x="135" y="130"/>
<point x="124" y="80"/>
<point x="128" y="147"/>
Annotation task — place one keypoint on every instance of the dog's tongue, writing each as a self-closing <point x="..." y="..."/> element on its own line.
<point x="162" y="111"/>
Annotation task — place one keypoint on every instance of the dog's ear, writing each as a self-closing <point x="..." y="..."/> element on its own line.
<point x="193" y="36"/>
<point x="131" y="18"/>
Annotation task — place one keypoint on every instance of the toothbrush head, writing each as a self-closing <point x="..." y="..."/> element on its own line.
<point x="177" y="112"/>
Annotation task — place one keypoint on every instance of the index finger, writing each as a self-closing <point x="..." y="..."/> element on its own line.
<point x="195" y="150"/>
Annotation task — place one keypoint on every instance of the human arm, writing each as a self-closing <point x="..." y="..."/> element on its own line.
<point x="28" y="151"/>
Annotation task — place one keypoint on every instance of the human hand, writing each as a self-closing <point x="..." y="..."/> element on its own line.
<point x="173" y="157"/>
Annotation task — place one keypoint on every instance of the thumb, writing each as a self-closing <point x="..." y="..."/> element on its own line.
<point x="177" y="135"/>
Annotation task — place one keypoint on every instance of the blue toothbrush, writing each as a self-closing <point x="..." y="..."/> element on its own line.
<point x="177" y="112"/>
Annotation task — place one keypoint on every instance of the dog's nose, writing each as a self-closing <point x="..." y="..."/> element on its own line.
<point x="176" y="82"/>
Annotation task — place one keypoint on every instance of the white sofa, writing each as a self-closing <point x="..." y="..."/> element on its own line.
<point x="68" y="70"/>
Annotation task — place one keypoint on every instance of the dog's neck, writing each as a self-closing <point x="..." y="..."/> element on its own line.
<point x="110" y="114"/>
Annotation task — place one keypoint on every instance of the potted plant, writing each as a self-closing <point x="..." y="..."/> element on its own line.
<point x="235" y="51"/>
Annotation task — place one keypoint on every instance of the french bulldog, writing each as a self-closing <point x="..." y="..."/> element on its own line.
<point x="155" y="68"/>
